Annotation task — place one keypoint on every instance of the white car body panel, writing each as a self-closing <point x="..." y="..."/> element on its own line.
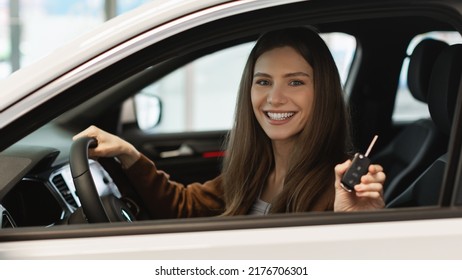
<point x="424" y="239"/>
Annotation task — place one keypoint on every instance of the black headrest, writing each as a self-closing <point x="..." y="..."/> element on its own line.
<point x="444" y="87"/>
<point x="420" y="67"/>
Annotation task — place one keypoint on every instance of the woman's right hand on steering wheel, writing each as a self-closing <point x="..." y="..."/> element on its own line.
<point x="110" y="145"/>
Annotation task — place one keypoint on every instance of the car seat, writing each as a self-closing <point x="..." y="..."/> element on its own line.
<point x="443" y="90"/>
<point x="419" y="143"/>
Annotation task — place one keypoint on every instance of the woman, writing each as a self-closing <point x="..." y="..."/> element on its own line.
<point x="290" y="133"/>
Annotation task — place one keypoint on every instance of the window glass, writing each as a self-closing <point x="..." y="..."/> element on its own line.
<point x="407" y="108"/>
<point x="201" y="96"/>
<point x="343" y="47"/>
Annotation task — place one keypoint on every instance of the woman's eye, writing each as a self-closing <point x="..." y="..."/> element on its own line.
<point x="296" y="83"/>
<point x="262" y="82"/>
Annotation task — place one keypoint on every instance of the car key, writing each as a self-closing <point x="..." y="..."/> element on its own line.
<point x="358" y="168"/>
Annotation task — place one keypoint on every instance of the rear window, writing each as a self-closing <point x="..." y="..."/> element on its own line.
<point x="407" y="108"/>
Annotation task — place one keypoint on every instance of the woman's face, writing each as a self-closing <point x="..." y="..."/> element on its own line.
<point x="282" y="93"/>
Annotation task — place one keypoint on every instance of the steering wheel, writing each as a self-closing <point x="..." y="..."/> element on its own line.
<point x="97" y="209"/>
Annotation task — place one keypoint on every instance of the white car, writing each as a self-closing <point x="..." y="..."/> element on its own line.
<point x="97" y="78"/>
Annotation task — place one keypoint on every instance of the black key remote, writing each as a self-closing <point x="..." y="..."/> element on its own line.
<point x="359" y="167"/>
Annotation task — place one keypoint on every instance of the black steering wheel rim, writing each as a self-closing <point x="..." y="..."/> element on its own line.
<point x="83" y="180"/>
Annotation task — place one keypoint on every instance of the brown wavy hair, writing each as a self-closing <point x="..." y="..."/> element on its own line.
<point x="323" y="143"/>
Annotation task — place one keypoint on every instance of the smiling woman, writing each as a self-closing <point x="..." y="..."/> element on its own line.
<point x="289" y="74"/>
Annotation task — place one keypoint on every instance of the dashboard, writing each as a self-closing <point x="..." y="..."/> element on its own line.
<point x="37" y="191"/>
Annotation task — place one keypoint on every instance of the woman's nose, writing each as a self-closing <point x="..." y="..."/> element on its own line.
<point x="276" y="96"/>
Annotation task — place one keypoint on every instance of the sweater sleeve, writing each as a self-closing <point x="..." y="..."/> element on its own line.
<point x="164" y="198"/>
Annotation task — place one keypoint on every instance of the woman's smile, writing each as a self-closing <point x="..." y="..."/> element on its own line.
<point x="280" y="116"/>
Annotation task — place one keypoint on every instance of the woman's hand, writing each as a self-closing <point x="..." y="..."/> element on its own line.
<point x="368" y="194"/>
<point x="110" y="145"/>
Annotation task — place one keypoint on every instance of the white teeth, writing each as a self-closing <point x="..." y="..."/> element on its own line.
<point x="279" y="116"/>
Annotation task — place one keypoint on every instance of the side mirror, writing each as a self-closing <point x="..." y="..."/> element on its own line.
<point x="148" y="110"/>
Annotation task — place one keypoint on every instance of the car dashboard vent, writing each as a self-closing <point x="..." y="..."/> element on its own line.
<point x="6" y="221"/>
<point x="61" y="185"/>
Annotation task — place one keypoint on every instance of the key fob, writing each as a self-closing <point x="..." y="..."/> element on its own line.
<point x="358" y="168"/>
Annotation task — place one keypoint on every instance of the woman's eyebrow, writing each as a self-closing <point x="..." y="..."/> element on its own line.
<point x="288" y="75"/>
<point x="297" y="74"/>
<point x="260" y="74"/>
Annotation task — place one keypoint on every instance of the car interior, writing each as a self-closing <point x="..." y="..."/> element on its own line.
<point x="442" y="93"/>
<point x="37" y="191"/>
<point x="419" y="142"/>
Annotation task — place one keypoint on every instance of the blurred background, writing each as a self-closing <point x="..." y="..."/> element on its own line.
<point x="29" y="29"/>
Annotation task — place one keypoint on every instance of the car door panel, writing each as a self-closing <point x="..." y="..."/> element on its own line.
<point x="187" y="157"/>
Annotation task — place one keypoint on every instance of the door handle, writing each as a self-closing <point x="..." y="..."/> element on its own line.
<point x="183" y="150"/>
